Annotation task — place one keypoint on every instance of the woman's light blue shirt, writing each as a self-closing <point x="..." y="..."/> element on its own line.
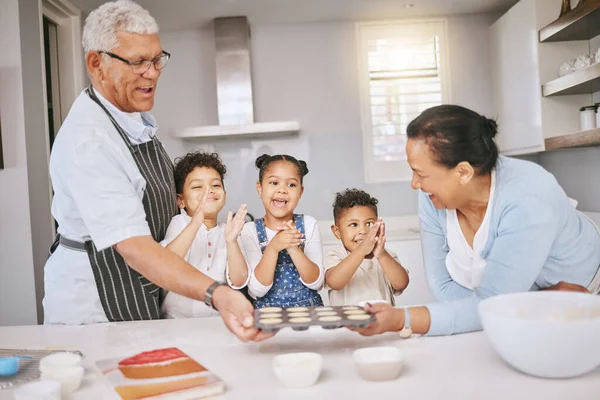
<point x="536" y="239"/>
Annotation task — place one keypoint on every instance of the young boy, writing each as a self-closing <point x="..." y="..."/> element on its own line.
<point x="361" y="269"/>
<point x="195" y="235"/>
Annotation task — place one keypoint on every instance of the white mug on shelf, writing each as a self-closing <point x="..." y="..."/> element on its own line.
<point x="587" y="118"/>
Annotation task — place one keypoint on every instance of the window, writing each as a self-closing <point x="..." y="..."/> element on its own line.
<point x="403" y="72"/>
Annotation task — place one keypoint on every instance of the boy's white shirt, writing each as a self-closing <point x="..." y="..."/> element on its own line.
<point x="251" y="248"/>
<point x="368" y="282"/>
<point x="208" y="254"/>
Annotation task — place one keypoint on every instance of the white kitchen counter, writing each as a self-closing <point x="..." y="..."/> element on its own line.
<point x="459" y="367"/>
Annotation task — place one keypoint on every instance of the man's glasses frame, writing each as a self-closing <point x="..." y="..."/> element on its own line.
<point x="141" y="67"/>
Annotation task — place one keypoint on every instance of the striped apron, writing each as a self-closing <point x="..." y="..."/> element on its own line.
<point x="125" y="294"/>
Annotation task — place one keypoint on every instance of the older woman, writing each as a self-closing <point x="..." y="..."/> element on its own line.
<point x="489" y="225"/>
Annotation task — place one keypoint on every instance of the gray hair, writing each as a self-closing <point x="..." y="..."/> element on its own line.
<point x="103" y="23"/>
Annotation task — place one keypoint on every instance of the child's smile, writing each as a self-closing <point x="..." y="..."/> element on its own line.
<point x="354" y="224"/>
<point x="279" y="203"/>
<point x="198" y="181"/>
<point x="280" y="189"/>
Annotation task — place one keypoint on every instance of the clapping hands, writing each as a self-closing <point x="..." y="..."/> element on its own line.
<point x="288" y="237"/>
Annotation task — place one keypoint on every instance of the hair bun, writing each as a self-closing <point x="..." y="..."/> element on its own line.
<point x="491" y="127"/>
<point x="303" y="167"/>
<point x="261" y="160"/>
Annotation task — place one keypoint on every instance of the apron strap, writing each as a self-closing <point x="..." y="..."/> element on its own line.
<point x="71" y="244"/>
<point x="261" y="232"/>
<point x="90" y="92"/>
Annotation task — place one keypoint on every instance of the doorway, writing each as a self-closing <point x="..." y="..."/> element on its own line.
<point x="51" y="66"/>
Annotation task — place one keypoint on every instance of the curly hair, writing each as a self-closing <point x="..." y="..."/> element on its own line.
<point x="186" y="164"/>
<point x="351" y="198"/>
<point x="263" y="162"/>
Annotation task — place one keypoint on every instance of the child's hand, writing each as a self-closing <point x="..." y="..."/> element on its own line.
<point x="379" y="249"/>
<point x="288" y="237"/>
<point x="198" y="216"/>
<point x="370" y="241"/>
<point x="291" y="229"/>
<point x="235" y="224"/>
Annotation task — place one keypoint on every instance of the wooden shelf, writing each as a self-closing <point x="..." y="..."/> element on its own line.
<point x="581" y="23"/>
<point x="577" y="139"/>
<point x="583" y="81"/>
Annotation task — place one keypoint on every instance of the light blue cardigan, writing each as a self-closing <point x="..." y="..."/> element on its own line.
<point x="536" y="239"/>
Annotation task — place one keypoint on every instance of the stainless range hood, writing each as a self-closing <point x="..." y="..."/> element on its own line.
<point x="234" y="87"/>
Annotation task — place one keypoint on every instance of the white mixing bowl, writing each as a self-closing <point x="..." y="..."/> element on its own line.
<point x="298" y="370"/>
<point x="549" y="334"/>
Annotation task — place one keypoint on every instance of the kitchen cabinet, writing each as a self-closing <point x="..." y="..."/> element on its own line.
<point x="523" y="68"/>
<point x="515" y="78"/>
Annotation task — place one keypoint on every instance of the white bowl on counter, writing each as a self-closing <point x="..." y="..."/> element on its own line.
<point x="39" y="390"/>
<point x="298" y="370"/>
<point x="60" y="360"/>
<point x="69" y="378"/>
<point x="379" y="363"/>
<point x="64" y="368"/>
<point x="372" y="302"/>
<point x="549" y="334"/>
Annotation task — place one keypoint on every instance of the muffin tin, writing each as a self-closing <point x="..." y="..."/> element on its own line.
<point x="301" y="318"/>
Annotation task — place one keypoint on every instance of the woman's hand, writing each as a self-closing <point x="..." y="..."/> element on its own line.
<point x="235" y="224"/>
<point x="567" y="287"/>
<point x="389" y="319"/>
<point x="238" y="314"/>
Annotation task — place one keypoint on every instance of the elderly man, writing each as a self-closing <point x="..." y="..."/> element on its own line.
<point x="114" y="193"/>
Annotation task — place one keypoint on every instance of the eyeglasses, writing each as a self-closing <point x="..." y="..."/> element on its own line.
<point x="141" y="67"/>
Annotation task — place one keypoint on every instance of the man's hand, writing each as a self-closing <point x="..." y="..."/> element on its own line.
<point x="238" y="314"/>
<point x="235" y="224"/>
<point x="567" y="287"/>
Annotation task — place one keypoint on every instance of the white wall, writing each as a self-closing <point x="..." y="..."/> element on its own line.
<point x="308" y="73"/>
<point x="17" y="291"/>
<point x="577" y="170"/>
